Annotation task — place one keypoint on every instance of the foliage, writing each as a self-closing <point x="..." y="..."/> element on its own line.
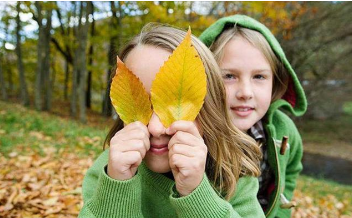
<point x="315" y="36"/>
<point x="320" y="52"/>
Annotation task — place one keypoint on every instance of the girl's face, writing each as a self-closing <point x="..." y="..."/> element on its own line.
<point x="248" y="80"/>
<point x="145" y="61"/>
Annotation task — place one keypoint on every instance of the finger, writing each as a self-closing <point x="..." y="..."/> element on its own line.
<point x="134" y="126"/>
<point x="184" y="126"/>
<point x="131" y="158"/>
<point x="185" y="138"/>
<point x="136" y="134"/>
<point x="134" y="145"/>
<point x="187" y="166"/>
<point x="182" y="149"/>
<point x="179" y="161"/>
<point x="173" y="159"/>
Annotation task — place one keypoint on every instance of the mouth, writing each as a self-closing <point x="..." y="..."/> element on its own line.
<point x="159" y="149"/>
<point x="242" y="111"/>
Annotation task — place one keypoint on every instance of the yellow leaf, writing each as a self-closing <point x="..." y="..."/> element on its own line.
<point x="179" y="88"/>
<point x="129" y="97"/>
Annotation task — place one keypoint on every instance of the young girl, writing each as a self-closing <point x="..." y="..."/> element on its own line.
<point x="204" y="168"/>
<point x="258" y="81"/>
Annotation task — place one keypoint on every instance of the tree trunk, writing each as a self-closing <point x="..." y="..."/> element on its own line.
<point x="86" y="7"/>
<point x="75" y="73"/>
<point x="115" y="24"/>
<point x="4" y="94"/>
<point x="107" y="107"/>
<point x="38" y="75"/>
<point x="52" y="83"/>
<point x="67" y="75"/>
<point x="10" y="77"/>
<point x="89" y="90"/>
<point x="42" y="81"/>
<point x="90" y="63"/>
<point x="2" y="84"/>
<point x="46" y="62"/>
<point x="23" y="85"/>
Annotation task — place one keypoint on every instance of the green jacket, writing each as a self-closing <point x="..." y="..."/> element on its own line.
<point x="286" y="166"/>
<point x="153" y="195"/>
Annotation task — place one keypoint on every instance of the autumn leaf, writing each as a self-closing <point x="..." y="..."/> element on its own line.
<point x="179" y="88"/>
<point x="129" y="97"/>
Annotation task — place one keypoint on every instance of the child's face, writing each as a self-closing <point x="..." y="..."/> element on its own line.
<point x="248" y="79"/>
<point x="145" y="62"/>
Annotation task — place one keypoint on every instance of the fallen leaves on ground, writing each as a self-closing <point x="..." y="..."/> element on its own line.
<point x="49" y="183"/>
<point x="324" y="207"/>
<point x="42" y="186"/>
<point x="50" y="186"/>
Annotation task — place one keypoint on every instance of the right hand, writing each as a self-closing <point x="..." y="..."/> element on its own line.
<point x="127" y="150"/>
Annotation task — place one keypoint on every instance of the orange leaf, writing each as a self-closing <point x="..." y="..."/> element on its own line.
<point x="129" y="97"/>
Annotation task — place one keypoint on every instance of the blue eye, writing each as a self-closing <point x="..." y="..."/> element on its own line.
<point x="228" y="76"/>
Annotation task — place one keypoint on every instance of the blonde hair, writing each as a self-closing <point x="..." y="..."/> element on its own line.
<point x="231" y="153"/>
<point x="281" y="76"/>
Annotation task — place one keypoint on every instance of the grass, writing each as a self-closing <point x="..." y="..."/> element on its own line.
<point x="323" y="187"/>
<point x="347" y="108"/>
<point x="24" y="128"/>
<point x="327" y="131"/>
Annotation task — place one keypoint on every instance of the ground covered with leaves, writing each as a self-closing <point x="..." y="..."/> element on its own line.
<point x="43" y="159"/>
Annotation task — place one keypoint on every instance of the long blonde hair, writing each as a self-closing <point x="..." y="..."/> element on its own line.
<point x="231" y="153"/>
<point x="280" y="73"/>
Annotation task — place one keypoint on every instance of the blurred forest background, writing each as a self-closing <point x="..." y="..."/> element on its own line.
<point x="56" y="59"/>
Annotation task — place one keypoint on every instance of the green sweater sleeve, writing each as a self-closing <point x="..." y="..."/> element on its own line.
<point x="205" y="202"/>
<point x="106" y="197"/>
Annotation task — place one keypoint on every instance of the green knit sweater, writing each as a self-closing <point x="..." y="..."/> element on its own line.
<point x="149" y="194"/>
<point x="287" y="165"/>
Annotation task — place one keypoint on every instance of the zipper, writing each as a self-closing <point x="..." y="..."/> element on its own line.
<point x="278" y="182"/>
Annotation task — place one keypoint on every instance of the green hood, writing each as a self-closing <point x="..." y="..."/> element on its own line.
<point x="294" y="100"/>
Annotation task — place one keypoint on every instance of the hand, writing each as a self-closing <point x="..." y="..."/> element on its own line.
<point x="127" y="150"/>
<point x="187" y="156"/>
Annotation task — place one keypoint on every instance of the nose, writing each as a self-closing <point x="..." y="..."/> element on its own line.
<point x="244" y="90"/>
<point x="155" y="127"/>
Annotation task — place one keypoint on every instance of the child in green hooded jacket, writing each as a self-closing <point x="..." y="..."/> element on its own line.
<point x="259" y="80"/>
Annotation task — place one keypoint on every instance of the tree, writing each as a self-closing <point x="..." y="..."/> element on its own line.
<point x="23" y="84"/>
<point x="43" y="83"/>
<point x="90" y="61"/>
<point x="63" y="41"/>
<point x="115" y="24"/>
<point x="320" y="51"/>
<point x="80" y="63"/>
<point x="4" y="95"/>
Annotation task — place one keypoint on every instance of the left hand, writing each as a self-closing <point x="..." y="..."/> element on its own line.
<point x="187" y="156"/>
